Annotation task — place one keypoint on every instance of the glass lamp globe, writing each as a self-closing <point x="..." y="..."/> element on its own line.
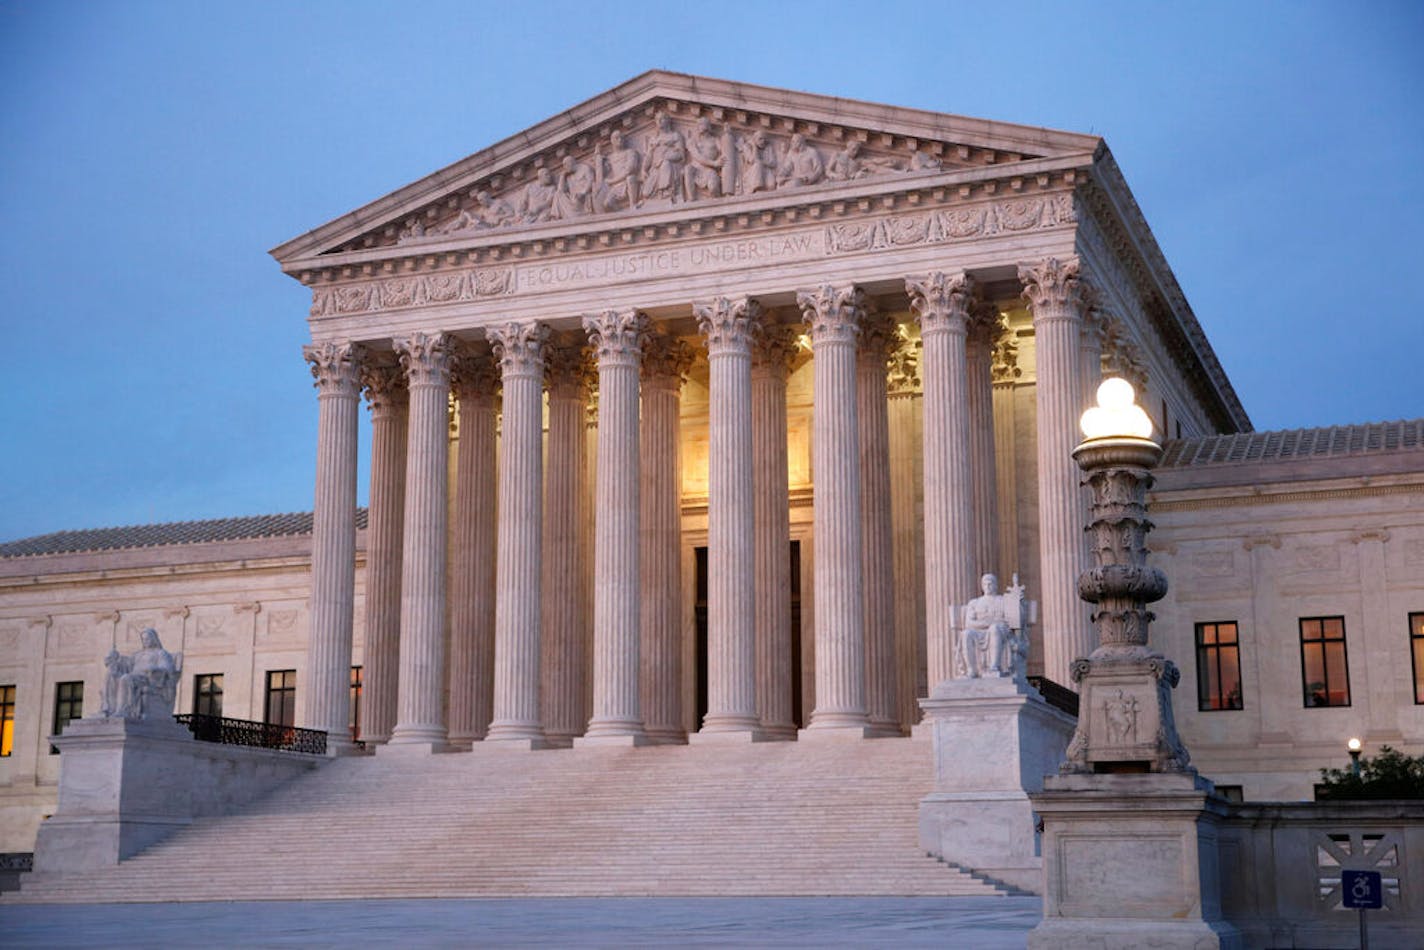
<point x="1117" y="415"/>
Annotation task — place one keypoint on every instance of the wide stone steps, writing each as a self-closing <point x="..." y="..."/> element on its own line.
<point x="786" y="819"/>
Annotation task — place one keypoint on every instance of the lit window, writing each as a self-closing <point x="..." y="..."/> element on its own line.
<point x="68" y="705"/>
<point x="1416" y="649"/>
<point x="1218" y="666"/>
<point x="7" y="719"/>
<point x="1325" y="672"/>
<point x="355" y="723"/>
<point x="208" y="694"/>
<point x="281" y="707"/>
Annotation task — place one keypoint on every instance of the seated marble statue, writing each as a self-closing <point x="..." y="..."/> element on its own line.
<point x="144" y="684"/>
<point x="993" y="632"/>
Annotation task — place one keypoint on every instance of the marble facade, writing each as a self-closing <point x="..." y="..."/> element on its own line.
<point x="691" y="314"/>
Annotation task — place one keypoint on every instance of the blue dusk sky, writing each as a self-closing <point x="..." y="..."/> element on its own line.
<point x="154" y="152"/>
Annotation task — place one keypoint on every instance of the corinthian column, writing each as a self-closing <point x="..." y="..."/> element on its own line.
<point x="773" y="353"/>
<point x="731" y="634"/>
<point x="420" y="713"/>
<point x="1053" y="292"/>
<point x="335" y="366"/>
<point x="834" y="318"/>
<point x="878" y="337"/>
<point x="942" y="302"/>
<point x="472" y="545"/>
<point x="665" y="364"/>
<point x="519" y="347"/>
<point x="984" y="328"/>
<point x="389" y="401"/>
<point x="616" y="338"/>
<point x="566" y="375"/>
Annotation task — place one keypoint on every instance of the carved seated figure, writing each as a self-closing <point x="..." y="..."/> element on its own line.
<point x="993" y="632"/>
<point x="144" y="684"/>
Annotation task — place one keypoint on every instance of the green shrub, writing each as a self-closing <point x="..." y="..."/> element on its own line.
<point x="1391" y="775"/>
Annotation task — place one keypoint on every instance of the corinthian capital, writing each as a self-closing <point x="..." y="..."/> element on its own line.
<point x="879" y="336"/>
<point x="473" y="374"/>
<point x="616" y="335"/>
<point x="727" y="323"/>
<point x="666" y="358"/>
<point x="567" y="367"/>
<point x="336" y="367"/>
<point x="425" y="358"/>
<point x="942" y="302"/>
<point x="832" y="313"/>
<point x="1052" y="289"/>
<point x="384" y="383"/>
<point x="774" y="348"/>
<point x="519" y="347"/>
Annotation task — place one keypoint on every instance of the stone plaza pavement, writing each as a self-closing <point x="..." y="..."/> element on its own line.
<point x="870" y="922"/>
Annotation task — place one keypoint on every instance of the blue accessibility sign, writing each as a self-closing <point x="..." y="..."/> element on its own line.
<point x="1363" y="890"/>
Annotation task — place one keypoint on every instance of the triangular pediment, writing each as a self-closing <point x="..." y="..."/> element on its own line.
<point x="663" y="142"/>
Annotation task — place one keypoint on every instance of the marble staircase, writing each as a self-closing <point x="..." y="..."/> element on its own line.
<point x="791" y="818"/>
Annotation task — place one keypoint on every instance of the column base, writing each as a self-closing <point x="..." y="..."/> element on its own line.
<point x="620" y="740"/>
<point x="886" y="728"/>
<point x="666" y="736"/>
<point x="814" y="733"/>
<point x="779" y="731"/>
<point x="730" y="736"/>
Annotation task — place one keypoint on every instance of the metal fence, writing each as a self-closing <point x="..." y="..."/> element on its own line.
<point x="259" y="735"/>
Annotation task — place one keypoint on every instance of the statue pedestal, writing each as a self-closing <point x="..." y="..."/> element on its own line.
<point x="125" y="784"/>
<point x="1131" y="861"/>
<point x="121" y="788"/>
<point x="994" y="741"/>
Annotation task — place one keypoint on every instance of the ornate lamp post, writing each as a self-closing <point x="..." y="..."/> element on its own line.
<point x="1130" y="831"/>
<point x="1125" y="721"/>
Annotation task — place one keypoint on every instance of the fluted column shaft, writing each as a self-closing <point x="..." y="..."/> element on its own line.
<point x="473" y="541"/>
<point x="1052" y="289"/>
<point x="834" y="319"/>
<point x="389" y="401"/>
<point x="336" y="367"/>
<point x="420" y="712"/>
<point x="982" y="462"/>
<point x="731" y="632"/>
<point x="616" y="338"/>
<point x="942" y="302"/>
<point x="562" y="641"/>
<point x="665" y="364"/>
<point x="878" y="337"/>
<point x="775" y="348"/>
<point x="519" y="348"/>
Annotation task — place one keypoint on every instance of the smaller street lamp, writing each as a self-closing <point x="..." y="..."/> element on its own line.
<point x="1354" y="746"/>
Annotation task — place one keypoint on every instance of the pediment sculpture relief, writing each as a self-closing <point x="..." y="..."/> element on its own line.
<point x="674" y="161"/>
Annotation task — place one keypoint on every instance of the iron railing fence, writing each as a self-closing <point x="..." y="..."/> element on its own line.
<point x="259" y="735"/>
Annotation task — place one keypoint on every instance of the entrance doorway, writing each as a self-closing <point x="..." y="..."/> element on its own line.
<point x="700" y="616"/>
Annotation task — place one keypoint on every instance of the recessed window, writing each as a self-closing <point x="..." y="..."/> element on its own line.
<point x="281" y="705"/>
<point x="1218" y="666"/>
<point x="68" y="705"/>
<point x="208" y="694"/>
<point x="7" y="719"/>
<point x="355" y="723"/>
<point x="1324" y="668"/>
<point x="1416" y="650"/>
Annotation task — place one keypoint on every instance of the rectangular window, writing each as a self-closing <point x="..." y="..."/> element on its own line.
<point x="207" y="694"/>
<point x="68" y="704"/>
<point x="7" y="719"/>
<point x="1218" y="666"/>
<point x="281" y="706"/>
<point x="1324" y="669"/>
<point x="355" y="703"/>
<point x="1416" y="650"/>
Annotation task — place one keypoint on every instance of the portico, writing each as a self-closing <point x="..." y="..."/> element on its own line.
<point x="787" y="317"/>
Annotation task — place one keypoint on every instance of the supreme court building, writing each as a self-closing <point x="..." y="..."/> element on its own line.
<point x="694" y="409"/>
